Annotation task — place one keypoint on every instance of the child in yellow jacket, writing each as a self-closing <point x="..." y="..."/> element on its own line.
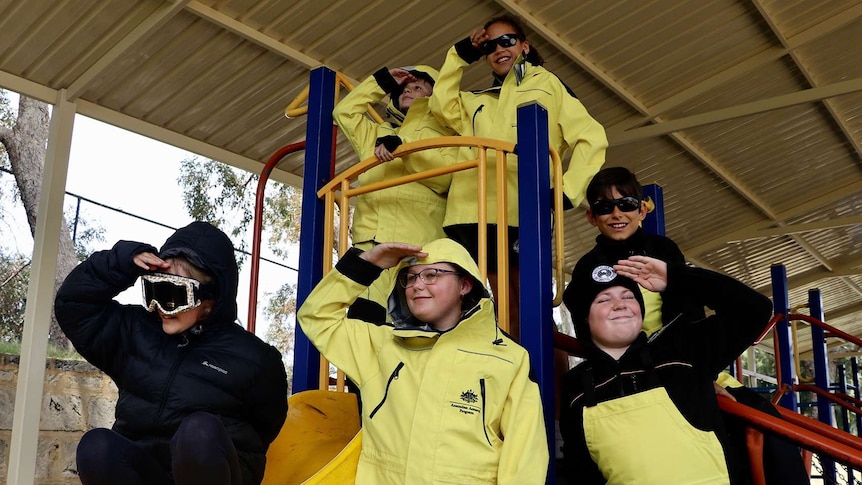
<point x="447" y="396"/>
<point x="411" y="212"/>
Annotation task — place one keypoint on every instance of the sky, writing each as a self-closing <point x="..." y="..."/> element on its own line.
<point x="137" y="175"/>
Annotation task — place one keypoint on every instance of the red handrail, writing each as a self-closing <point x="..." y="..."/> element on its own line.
<point x="258" y="226"/>
<point x="568" y="344"/>
<point x="825" y="326"/>
<point x="806" y="432"/>
<point x="835" y="398"/>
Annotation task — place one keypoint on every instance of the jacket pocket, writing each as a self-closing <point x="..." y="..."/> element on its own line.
<point x="484" y="423"/>
<point x="392" y="377"/>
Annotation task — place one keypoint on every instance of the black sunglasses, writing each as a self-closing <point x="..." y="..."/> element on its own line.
<point x="624" y="204"/>
<point x="505" y="40"/>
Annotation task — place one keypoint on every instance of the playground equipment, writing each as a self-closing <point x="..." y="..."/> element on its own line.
<point x="321" y="438"/>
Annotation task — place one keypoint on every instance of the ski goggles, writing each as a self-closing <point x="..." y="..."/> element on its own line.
<point x="505" y="40"/>
<point x="624" y="204"/>
<point x="172" y="294"/>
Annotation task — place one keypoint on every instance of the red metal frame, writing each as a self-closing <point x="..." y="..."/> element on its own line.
<point x="273" y="162"/>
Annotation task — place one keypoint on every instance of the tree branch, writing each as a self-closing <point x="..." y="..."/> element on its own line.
<point x="5" y="135"/>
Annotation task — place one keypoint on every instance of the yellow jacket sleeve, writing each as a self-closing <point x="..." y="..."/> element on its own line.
<point x="525" y="457"/>
<point x="351" y="345"/>
<point x="349" y="114"/>
<point x="588" y="142"/>
<point x="445" y="102"/>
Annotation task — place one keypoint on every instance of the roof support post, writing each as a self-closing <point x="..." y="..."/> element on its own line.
<point x="40" y="301"/>
<point x="536" y="319"/>
<point x="318" y="171"/>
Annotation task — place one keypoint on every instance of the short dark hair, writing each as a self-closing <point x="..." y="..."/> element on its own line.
<point x="423" y="76"/>
<point x="604" y="182"/>
<point x="533" y="57"/>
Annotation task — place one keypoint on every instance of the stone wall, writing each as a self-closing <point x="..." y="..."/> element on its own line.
<point x="77" y="397"/>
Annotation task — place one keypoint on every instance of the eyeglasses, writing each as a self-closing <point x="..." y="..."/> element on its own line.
<point x="170" y="293"/>
<point x="428" y="276"/>
<point x="606" y="206"/>
<point x="505" y="40"/>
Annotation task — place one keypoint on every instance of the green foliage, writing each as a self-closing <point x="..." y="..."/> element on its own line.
<point x="282" y="216"/>
<point x="7" y="114"/>
<point x="14" y="348"/>
<point x="14" y="276"/>
<point x="219" y="194"/>
<point x="280" y="309"/>
<point x="225" y="196"/>
<point x="86" y="233"/>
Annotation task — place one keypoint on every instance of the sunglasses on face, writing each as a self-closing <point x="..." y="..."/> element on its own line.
<point x="505" y="40"/>
<point x="171" y="294"/>
<point x="624" y="204"/>
<point x="428" y="276"/>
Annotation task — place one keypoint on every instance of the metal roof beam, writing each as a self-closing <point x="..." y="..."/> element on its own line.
<point x="825" y="199"/>
<point x="840" y="268"/>
<point x="797" y="228"/>
<point x="146" y="28"/>
<point x="253" y="35"/>
<point x="805" y="96"/>
<point x="746" y="193"/>
<point x="566" y="48"/>
<point x="814" y="33"/>
<point x="837" y="116"/>
<point x="178" y="140"/>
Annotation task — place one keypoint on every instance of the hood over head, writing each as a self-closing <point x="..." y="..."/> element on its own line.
<point x="425" y="73"/>
<point x="209" y="249"/>
<point x="439" y="251"/>
<point x="582" y="290"/>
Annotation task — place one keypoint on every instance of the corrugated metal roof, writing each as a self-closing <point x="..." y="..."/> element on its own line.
<point x="748" y="113"/>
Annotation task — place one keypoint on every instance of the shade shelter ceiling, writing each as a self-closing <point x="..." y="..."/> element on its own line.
<point x="747" y="113"/>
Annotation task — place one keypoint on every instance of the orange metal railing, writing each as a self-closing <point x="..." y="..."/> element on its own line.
<point x="296" y="108"/>
<point x="339" y="191"/>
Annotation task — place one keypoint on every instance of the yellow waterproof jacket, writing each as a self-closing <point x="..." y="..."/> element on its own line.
<point x="493" y="113"/>
<point x="413" y="212"/>
<point x="451" y="407"/>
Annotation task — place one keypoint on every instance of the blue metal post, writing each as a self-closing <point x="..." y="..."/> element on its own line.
<point x="842" y="388"/>
<point x="854" y="368"/>
<point x="845" y="415"/>
<point x="822" y="378"/>
<point x="318" y="155"/>
<point x="537" y="322"/>
<point x="654" y="222"/>
<point x="781" y="304"/>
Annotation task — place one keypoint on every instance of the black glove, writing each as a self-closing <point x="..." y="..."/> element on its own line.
<point x="391" y="142"/>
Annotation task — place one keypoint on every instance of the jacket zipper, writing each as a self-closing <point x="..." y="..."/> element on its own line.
<point x="183" y="346"/>
<point x="392" y="377"/>
<point x="482" y="391"/>
<point x="479" y="110"/>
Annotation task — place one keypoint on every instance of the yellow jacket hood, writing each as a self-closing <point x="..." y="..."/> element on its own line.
<point x="439" y="251"/>
<point x="392" y="109"/>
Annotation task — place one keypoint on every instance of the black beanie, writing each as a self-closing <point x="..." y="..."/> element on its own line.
<point x="585" y="285"/>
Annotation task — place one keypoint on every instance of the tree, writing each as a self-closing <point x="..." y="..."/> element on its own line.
<point x="281" y="333"/>
<point x="24" y="138"/>
<point x="225" y="197"/>
<point x="14" y="274"/>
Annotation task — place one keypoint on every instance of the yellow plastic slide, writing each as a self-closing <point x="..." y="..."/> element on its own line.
<point x="319" y="442"/>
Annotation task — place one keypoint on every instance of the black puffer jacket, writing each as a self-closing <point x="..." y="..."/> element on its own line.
<point x="223" y="370"/>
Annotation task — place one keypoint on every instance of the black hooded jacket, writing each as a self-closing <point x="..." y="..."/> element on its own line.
<point x="223" y="369"/>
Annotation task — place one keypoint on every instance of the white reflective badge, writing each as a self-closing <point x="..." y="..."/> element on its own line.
<point x="604" y="274"/>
